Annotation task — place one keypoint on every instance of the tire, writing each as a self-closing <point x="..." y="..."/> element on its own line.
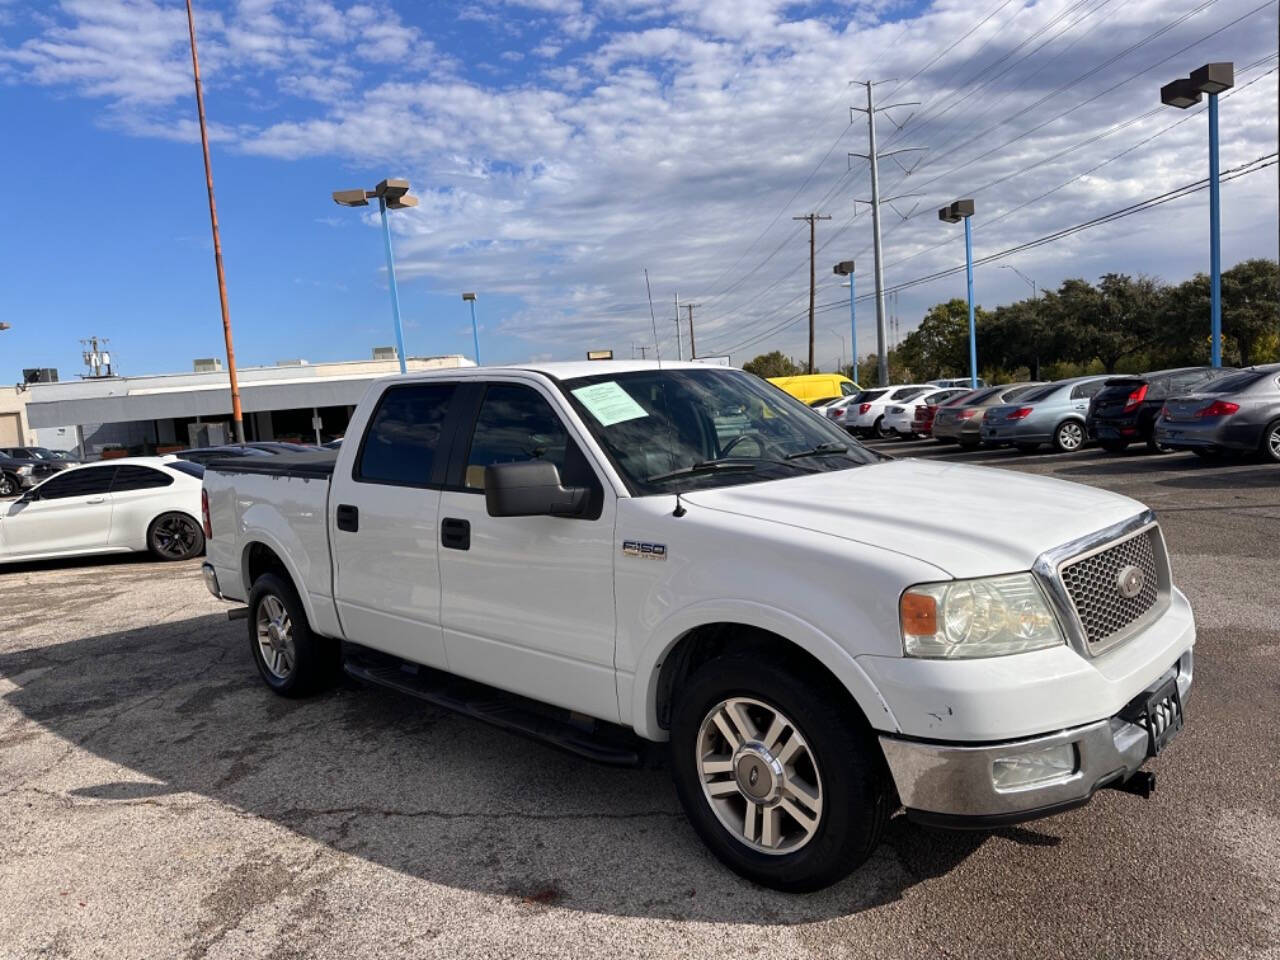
<point x="302" y="663"/>
<point x="175" y="536"/>
<point x="1027" y="447"/>
<point x="1155" y="446"/>
<point x="1271" y="441"/>
<point x="9" y="485"/>
<point x="878" y="431"/>
<point x="837" y="763"/>
<point x="1069" y="436"/>
<point x="1114" y="446"/>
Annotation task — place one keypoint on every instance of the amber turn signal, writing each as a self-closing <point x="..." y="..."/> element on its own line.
<point x="919" y="615"/>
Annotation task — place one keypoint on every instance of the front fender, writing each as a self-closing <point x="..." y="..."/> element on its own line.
<point x="641" y="688"/>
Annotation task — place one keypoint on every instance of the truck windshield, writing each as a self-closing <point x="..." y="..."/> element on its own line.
<point x="674" y="430"/>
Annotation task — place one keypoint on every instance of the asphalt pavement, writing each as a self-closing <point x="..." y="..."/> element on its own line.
<point x="157" y="801"/>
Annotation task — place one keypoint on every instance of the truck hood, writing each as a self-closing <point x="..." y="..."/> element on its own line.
<point x="969" y="521"/>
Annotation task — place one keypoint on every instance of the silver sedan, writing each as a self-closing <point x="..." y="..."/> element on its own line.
<point x="1239" y="411"/>
<point x="1053" y="414"/>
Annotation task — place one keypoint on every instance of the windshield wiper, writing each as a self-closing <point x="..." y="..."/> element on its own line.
<point x="820" y="450"/>
<point x="703" y="466"/>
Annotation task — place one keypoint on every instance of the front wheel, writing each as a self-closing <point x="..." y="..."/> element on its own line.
<point x="175" y="536"/>
<point x="782" y="782"/>
<point x="1271" y="441"/>
<point x="1069" y="437"/>
<point x="8" y="485"/>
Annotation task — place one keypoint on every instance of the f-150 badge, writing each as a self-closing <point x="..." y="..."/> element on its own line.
<point x="650" y="551"/>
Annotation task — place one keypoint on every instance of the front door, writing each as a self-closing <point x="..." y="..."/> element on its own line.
<point x="70" y="513"/>
<point x="528" y="601"/>
<point x="382" y="526"/>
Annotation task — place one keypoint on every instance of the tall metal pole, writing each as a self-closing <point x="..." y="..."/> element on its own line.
<point x="475" y="332"/>
<point x="973" y="340"/>
<point x="693" y="352"/>
<point x="679" y="349"/>
<point x="1215" y="236"/>
<point x="812" y="284"/>
<point x="391" y="280"/>
<point x="237" y="417"/>
<point x="881" y="336"/>
<point x="853" y="331"/>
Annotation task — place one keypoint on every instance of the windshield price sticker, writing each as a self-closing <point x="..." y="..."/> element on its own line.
<point x="609" y="403"/>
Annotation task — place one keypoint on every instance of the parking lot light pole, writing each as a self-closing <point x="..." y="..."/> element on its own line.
<point x="475" y="336"/>
<point x="1212" y="78"/>
<point x="394" y="195"/>
<point x="963" y="210"/>
<point x="845" y="269"/>
<point x="1035" y="305"/>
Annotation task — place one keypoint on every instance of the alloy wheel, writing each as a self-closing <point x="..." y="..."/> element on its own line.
<point x="176" y="536"/>
<point x="759" y="775"/>
<point x="1070" y="436"/>
<point x="6" y="485"/>
<point x="1273" y="442"/>
<point x="275" y="637"/>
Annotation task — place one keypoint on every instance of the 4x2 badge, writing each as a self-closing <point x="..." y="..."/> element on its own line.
<point x="650" y="551"/>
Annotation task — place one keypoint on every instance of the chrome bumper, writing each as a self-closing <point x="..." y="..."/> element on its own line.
<point x="211" y="580"/>
<point x="951" y="784"/>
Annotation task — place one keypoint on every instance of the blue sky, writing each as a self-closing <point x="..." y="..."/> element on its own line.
<point x="560" y="147"/>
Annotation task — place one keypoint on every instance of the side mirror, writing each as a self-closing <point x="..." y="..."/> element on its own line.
<point x="530" y="489"/>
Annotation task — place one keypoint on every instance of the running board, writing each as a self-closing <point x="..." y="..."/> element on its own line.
<point x="593" y="739"/>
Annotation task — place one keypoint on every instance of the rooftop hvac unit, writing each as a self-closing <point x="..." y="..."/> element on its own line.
<point x="292" y="363"/>
<point x="40" y="375"/>
<point x="384" y="353"/>
<point x="206" y="365"/>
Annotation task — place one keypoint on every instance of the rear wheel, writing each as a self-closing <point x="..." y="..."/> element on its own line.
<point x="175" y="536"/>
<point x="293" y="661"/>
<point x="786" y="788"/>
<point x="1113" y="446"/>
<point x="1271" y="441"/>
<point x="1155" y="446"/>
<point x="1069" y="436"/>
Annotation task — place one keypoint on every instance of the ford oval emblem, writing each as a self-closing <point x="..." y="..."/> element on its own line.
<point x="1130" y="581"/>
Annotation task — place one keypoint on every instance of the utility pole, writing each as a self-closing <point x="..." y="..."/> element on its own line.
<point x="679" y="353"/>
<point x="813" y="219"/>
<point x="96" y="356"/>
<point x="237" y="418"/>
<point x="872" y="156"/>
<point x="693" y="353"/>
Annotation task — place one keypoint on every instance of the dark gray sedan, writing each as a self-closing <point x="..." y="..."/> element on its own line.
<point x="1239" y="411"/>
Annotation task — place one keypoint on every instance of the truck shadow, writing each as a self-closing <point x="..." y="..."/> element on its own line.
<point x="409" y="787"/>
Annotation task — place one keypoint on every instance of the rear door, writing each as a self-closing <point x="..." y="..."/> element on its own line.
<point x="71" y="513"/>
<point x="528" y="601"/>
<point x="383" y="525"/>
<point x="134" y="503"/>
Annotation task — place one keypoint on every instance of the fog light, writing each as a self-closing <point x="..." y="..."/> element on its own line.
<point x="1034" y="768"/>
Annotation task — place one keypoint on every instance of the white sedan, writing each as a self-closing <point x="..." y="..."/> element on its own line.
<point x="117" y="506"/>
<point x="867" y="417"/>
<point x="898" y="417"/>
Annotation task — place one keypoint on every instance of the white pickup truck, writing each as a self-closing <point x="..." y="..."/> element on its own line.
<point x="603" y="554"/>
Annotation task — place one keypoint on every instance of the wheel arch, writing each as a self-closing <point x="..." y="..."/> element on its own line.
<point x="700" y="635"/>
<point x="260" y="556"/>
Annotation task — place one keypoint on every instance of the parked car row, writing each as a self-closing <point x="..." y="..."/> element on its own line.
<point x="1210" y="411"/>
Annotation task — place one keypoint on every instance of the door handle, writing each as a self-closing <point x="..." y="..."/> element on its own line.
<point x="455" y="534"/>
<point x="96" y="500"/>
<point x="348" y="518"/>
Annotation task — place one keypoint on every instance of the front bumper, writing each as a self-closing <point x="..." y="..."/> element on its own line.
<point x="952" y="784"/>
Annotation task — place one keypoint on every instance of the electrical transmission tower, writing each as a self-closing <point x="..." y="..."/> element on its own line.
<point x="813" y="219"/>
<point x="872" y="156"/>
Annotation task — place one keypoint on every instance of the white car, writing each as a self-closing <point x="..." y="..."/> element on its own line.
<point x="687" y="554"/>
<point x="868" y="416"/>
<point x="117" y="506"/>
<point x="898" y="417"/>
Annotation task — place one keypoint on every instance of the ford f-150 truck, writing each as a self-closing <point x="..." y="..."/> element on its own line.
<point x="602" y="554"/>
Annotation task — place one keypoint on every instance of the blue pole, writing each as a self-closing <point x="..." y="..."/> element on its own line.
<point x="853" y="325"/>
<point x="973" y="340"/>
<point x="391" y="279"/>
<point x="1215" y="235"/>
<point x="475" y="336"/>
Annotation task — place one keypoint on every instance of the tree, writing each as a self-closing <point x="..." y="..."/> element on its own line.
<point x="1250" y="314"/>
<point x="939" y="347"/>
<point x="774" y="364"/>
<point x="1125" y="319"/>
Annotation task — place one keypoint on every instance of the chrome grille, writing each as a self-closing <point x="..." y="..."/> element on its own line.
<point x="1093" y="583"/>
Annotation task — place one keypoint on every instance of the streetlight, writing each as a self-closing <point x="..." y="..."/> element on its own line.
<point x="841" y="336"/>
<point x="475" y="336"/>
<point x="1035" y="302"/>
<point x="1184" y="92"/>
<point x="845" y="269"/>
<point x="963" y="210"/>
<point x="393" y="194"/>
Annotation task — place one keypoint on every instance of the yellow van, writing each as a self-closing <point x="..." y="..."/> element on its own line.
<point x="816" y="386"/>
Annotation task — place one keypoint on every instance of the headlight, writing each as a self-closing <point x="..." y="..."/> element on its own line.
<point x="990" y="617"/>
<point x="25" y="470"/>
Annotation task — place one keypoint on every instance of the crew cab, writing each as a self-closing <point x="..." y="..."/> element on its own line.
<point x="606" y="554"/>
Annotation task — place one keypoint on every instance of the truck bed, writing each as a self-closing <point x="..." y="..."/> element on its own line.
<point x="311" y="466"/>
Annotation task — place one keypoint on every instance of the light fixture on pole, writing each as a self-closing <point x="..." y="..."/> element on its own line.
<point x="1212" y="78"/>
<point x="963" y="210"/>
<point x="394" y="195"/>
<point x="845" y="269"/>
<point x="475" y="336"/>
